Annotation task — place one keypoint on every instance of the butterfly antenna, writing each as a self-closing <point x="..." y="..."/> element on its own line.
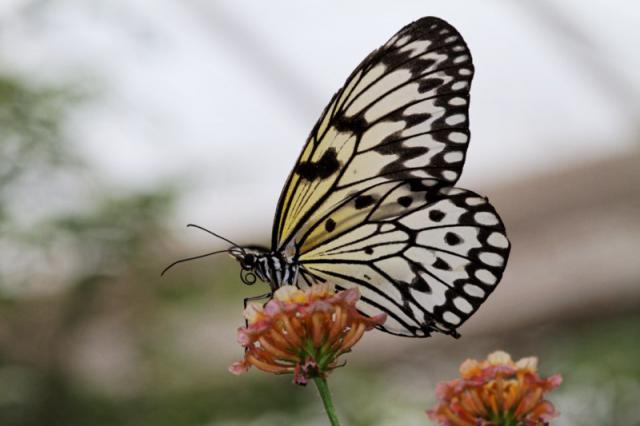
<point x="191" y="225"/>
<point x="191" y="258"/>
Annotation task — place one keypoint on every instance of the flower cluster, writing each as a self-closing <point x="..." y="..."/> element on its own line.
<point x="302" y="331"/>
<point x="496" y="392"/>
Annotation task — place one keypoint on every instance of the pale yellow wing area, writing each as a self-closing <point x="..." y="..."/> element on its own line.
<point x="401" y="116"/>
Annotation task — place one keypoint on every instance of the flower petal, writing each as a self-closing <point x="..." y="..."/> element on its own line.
<point x="239" y="367"/>
<point x="499" y="357"/>
<point x="496" y="388"/>
<point x="297" y="326"/>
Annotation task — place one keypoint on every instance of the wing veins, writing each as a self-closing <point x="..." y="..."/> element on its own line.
<point x="453" y="253"/>
<point x="405" y="83"/>
<point x="380" y="244"/>
<point x="345" y="201"/>
<point x="417" y="101"/>
<point x="300" y="205"/>
<point x="357" y="182"/>
<point x="371" y="302"/>
<point x="404" y="138"/>
<point x="400" y="65"/>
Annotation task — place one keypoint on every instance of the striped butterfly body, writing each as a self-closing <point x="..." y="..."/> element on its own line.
<point x="371" y="201"/>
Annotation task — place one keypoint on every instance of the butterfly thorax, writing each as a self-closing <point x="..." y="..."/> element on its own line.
<point x="269" y="266"/>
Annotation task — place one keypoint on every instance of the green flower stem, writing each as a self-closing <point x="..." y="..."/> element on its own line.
<point x="323" y="390"/>
<point x="504" y="419"/>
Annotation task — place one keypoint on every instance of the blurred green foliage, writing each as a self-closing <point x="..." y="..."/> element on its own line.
<point x="30" y="123"/>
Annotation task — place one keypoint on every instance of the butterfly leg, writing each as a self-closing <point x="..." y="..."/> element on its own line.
<point x="245" y="302"/>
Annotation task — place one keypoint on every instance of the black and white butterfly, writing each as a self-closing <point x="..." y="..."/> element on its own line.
<point x="371" y="201"/>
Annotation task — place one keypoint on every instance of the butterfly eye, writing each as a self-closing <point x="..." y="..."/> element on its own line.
<point x="248" y="261"/>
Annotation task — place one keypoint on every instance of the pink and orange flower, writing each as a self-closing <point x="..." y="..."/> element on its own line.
<point x="496" y="392"/>
<point x="302" y="332"/>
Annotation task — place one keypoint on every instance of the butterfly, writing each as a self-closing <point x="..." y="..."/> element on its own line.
<point x="371" y="201"/>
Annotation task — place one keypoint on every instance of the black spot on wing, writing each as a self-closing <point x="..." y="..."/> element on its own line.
<point x="356" y="125"/>
<point x="330" y="225"/>
<point x="364" y="201"/>
<point x="420" y="284"/>
<point x="429" y="84"/>
<point x="404" y="155"/>
<point x="405" y="201"/>
<point x="452" y="238"/>
<point x="441" y="264"/>
<point x="327" y="165"/>
<point x="416" y="185"/>
<point x="436" y="215"/>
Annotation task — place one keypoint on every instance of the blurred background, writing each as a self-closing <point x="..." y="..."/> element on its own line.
<point x="122" y="121"/>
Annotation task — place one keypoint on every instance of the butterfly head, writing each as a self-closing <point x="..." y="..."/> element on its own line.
<point x="248" y="258"/>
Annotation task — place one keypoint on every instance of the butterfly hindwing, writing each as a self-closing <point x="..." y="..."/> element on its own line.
<point x="429" y="268"/>
<point x="401" y="115"/>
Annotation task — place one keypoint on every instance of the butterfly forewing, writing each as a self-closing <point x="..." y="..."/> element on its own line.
<point x="402" y="114"/>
